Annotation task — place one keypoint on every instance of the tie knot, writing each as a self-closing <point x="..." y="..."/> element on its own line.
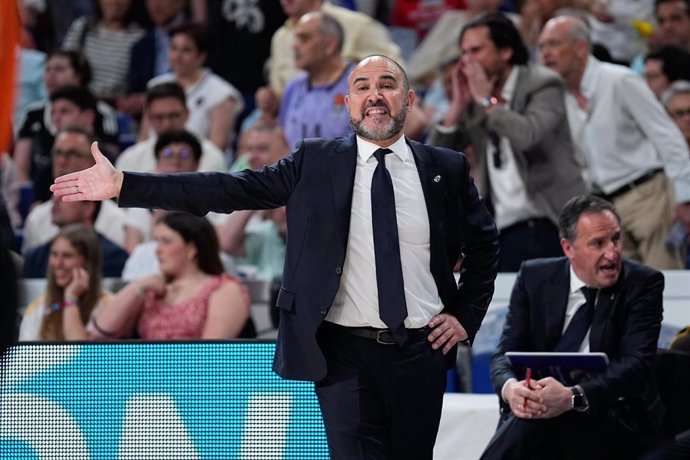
<point x="589" y="293"/>
<point x="381" y="153"/>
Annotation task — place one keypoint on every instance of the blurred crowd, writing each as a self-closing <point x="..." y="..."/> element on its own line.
<point x="547" y="98"/>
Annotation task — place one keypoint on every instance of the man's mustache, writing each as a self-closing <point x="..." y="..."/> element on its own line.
<point x="375" y="104"/>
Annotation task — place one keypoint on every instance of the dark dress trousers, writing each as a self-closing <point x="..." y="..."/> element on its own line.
<point x="625" y="409"/>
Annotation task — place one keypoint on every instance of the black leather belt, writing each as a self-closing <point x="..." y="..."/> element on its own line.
<point x="382" y="336"/>
<point x="630" y="185"/>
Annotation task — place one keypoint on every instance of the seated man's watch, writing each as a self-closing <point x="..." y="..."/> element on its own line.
<point x="578" y="400"/>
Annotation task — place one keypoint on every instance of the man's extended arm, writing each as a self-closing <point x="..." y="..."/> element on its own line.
<point x="197" y="193"/>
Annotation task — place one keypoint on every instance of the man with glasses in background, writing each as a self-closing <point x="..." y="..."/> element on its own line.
<point x="71" y="152"/>
<point x="165" y="110"/>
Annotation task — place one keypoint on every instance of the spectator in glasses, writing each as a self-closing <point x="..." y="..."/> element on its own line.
<point x="166" y="110"/>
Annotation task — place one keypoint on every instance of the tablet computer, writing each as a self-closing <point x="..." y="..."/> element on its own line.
<point x="568" y="368"/>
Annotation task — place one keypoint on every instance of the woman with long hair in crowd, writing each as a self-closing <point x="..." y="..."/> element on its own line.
<point x="73" y="292"/>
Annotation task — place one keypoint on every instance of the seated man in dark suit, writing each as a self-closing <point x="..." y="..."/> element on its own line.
<point x="114" y="257"/>
<point x="614" y="414"/>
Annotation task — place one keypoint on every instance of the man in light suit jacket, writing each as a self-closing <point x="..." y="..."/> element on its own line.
<point x="612" y="414"/>
<point x="380" y="385"/>
<point x="513" y="116"/>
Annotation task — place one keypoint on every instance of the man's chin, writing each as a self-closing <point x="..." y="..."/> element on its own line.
<point x="609" y="278"/>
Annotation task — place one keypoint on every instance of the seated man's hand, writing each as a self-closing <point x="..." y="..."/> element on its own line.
<point x="524" y="402"/>
<point x="557" y="397"/>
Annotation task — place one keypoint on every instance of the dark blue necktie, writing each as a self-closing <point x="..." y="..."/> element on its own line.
<point x="389" y="278"/>
<point x="577" y="329"/>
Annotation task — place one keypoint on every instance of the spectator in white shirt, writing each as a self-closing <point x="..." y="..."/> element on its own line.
<point x="166" y="110"/>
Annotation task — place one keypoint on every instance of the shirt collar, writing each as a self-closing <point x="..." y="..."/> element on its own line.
<point x="366" y="149"/>
<point x="509" y="86"/>
<point x="575" y="282"/>
<point x="589" y="77"/>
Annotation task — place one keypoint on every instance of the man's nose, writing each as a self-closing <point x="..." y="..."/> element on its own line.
<point x="374" y="94"/>
<point x="613" y="249"/>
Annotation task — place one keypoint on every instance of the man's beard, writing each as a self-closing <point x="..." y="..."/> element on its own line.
<point x="380" y="132"/>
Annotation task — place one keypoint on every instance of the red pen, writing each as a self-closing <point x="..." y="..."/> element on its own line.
<point x="528" y="378"/>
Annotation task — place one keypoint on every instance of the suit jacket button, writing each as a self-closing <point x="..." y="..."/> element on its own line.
<point x="324" y="310"/>
<point x="338" y="270"/>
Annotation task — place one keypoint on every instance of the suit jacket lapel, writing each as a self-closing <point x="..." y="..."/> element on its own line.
<point x="519" y="100"/>
<point x="342" y="161"/>
<point x="605" y="306"/>
<point x="557" y="304"/>
<point x="433" y="184"/>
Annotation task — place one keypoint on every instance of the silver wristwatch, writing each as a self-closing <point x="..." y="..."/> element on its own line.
<point x="578" y="401"/>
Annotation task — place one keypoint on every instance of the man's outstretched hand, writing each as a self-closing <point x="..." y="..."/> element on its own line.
<point x="100" y="182"/>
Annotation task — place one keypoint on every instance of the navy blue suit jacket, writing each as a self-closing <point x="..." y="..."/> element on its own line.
<point x="626" y="327"/>
<point x="315" y="183"/>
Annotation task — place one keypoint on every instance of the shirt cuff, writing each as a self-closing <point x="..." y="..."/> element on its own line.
<point x="503" y="389"/>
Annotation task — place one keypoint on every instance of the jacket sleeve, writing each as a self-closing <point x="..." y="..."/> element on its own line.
<point x="515" y="336"/>
<point x="629" y="372"/>
<point x="544" y="111"/>
<point x="200" y="193"/>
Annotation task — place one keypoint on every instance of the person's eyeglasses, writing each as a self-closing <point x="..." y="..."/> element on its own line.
<point x="680" y="113"/>
<point x="169" y="154"/>
<point x="70" y="154"/>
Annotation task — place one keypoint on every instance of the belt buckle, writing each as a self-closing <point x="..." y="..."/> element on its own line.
<point x="385" y="337"/>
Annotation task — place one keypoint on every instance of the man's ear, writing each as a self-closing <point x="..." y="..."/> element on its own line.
<point x="506" y="54"/>
<point x="411" y="96"/>
<point x="331" y="44"/>
<point x="567" y="247"/>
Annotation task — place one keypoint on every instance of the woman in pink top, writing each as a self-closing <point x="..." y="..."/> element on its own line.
<point x="191" y="297"/>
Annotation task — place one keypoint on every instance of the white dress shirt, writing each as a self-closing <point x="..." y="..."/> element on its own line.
<point x="511" y="202"/>
<point x="356" y="303"/>
<point x="576" y="299"/>
<point x="624" y="132"/>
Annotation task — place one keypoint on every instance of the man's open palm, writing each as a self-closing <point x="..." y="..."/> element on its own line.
<point x="99" y="182"/>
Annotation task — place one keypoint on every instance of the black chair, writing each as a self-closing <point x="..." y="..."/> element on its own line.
<point x="672" y="370"/>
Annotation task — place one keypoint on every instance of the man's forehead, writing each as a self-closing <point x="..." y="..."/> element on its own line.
<point x="556" y="28"/>
<point x="375" y="69"/>
<point x="479" y="33"/>
<point x="594" y="222"/>
<point x="64" y="103"/>
<point x="70" y="140"/>
<point x="163" y="103"/>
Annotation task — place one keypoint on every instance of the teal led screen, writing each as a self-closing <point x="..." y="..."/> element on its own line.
<point x="147" y="400"/>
